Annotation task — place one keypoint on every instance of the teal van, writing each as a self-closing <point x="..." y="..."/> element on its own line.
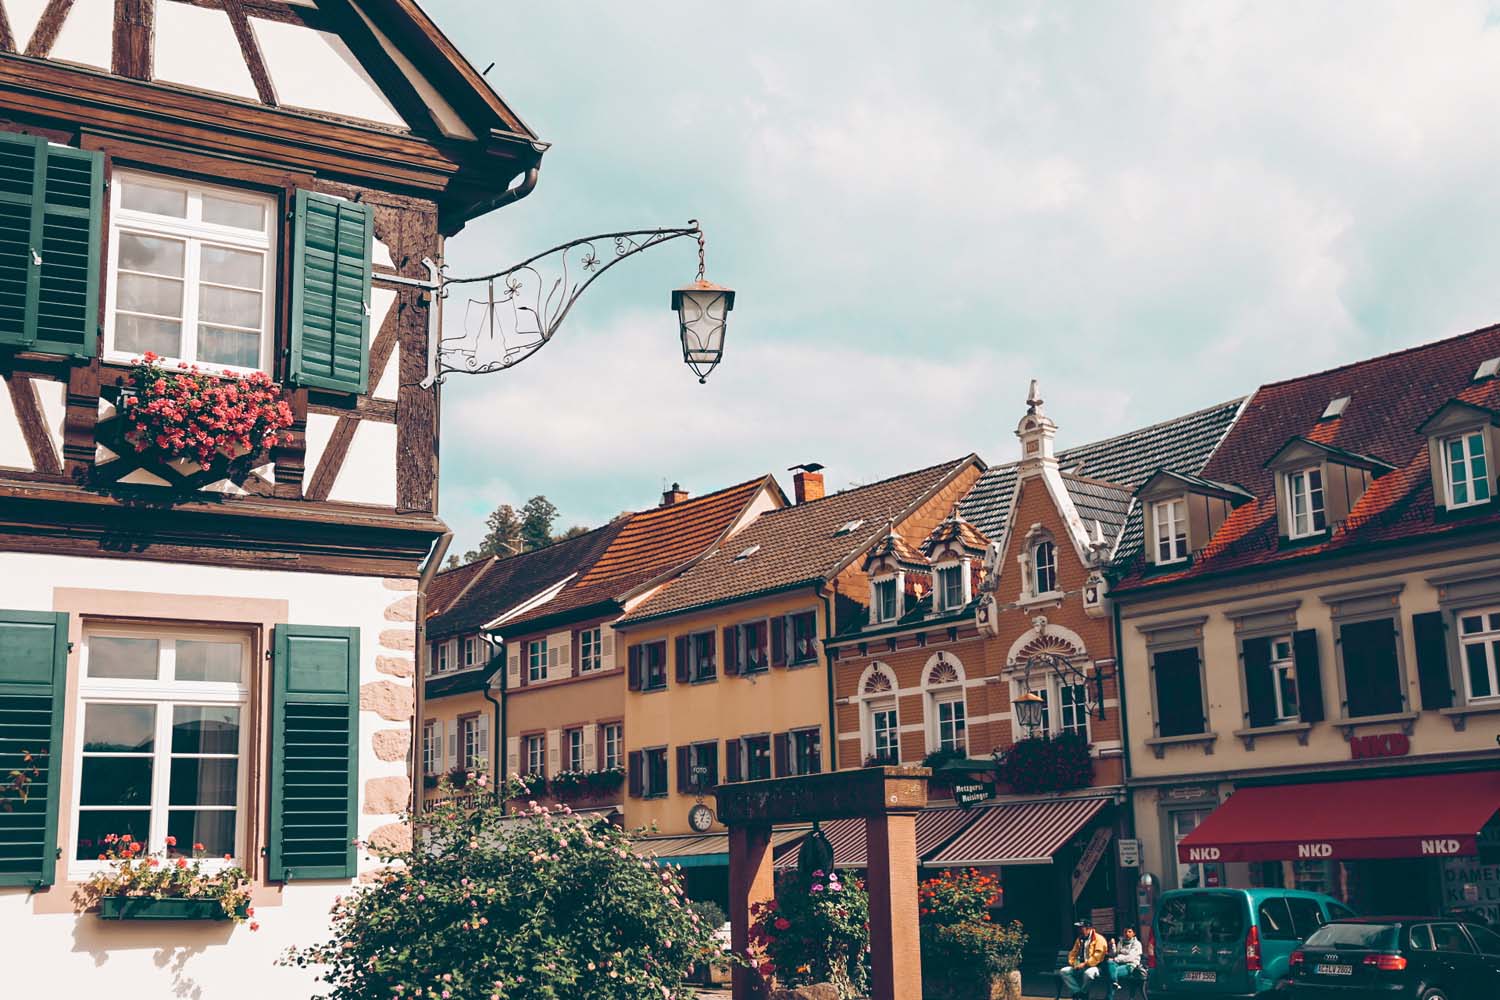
<point x="1231" y="944"/>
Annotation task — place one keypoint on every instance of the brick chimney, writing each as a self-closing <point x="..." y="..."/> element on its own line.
<point x="675" y="495"/>
<point x="807" y="484"/>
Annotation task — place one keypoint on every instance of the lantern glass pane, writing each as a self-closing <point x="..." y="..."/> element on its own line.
<point x="702" y="314"/>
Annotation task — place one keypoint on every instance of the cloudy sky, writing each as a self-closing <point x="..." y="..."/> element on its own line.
<point x="1150" y="207"/>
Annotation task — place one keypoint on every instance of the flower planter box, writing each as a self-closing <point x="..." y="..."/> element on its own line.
<point x="149" y="908"/>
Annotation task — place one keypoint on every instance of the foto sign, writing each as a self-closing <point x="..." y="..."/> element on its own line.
<point x="971" y="793"/>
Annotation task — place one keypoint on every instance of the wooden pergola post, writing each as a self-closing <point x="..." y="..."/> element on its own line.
<point x="888" y="800"/>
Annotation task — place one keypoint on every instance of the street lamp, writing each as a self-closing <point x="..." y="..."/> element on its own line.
<point x="521" y="309"/>
<point x="1028" y="709"/>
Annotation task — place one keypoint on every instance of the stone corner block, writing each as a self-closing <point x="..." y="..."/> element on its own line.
<point x="386" y="796"/>
<point x="391" y="701"/>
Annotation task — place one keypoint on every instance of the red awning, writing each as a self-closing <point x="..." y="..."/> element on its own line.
<point x="1026" y="833"/>
<point x="847" y="837"/>
<point x="1434" y="815"/>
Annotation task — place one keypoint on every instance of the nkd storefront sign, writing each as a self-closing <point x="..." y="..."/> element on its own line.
<point x="1351" y="850"/>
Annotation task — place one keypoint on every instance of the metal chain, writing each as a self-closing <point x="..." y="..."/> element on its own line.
<point x="700" y="255"/>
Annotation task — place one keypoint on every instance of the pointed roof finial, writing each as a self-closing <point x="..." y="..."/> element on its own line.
<point x="1034" y="398"/>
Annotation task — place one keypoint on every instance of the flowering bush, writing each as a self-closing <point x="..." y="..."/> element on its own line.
<point x="1047" y="763"/>
<point x="136" y="872"/>
<point x="605" y="779"/>
<point x="191" y="414"/>
<point x="547" y="904"/>
<point x="962" y="950"/>
<point x="817" y="931"/>
<point x="587" y="782"/>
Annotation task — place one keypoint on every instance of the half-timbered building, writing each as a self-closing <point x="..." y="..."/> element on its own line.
<point x="219" y="648"/>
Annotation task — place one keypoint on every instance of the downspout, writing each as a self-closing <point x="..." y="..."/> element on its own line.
<point x="1124" y="894"/>
<point x="497" y="744"/>
<point x="833" y="732"/>
<point x="419" y="663"/>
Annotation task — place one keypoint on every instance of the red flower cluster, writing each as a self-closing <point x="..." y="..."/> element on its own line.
<point x="191" y="414"/>
<point x="958" y="897"/>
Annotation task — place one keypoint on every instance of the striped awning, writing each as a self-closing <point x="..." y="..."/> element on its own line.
<point x="847" y="837"/>
<point x="701" y="850"/>
<point x="1027" y="833"/>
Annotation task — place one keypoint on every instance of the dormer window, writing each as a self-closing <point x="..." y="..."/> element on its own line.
<point x="950" y="587"/>
<point x="1169" y="520"/>
<point x="885" y="600"/>
<point x="1306" y="515"/>
<point x="1044" y="567"/>
<point x="1466" y="468"/>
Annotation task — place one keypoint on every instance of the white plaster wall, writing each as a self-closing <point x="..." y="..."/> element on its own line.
<point x="24" y="15"/>
<point x="315" y="70"/>
<point x="13" y="451"/>
<point x="196" y="46"/>
<point x="87" y="36"/>
<point x="71" y="955"/>
<point x="368" y="474"/>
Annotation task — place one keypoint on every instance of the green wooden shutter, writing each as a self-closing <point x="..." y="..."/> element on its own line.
<point x="33" y="677"/>
<point x="51" y="211"/>
<point x="330" y="343"/>
<point x="314" y="752"/>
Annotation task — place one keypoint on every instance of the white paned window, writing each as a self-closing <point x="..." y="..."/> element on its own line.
<point x="590" y="650"/>
<point x="163" y="729"/>
<point x="1304" y="497"/>
<point x="573" y="750"/>
<point x="885" y="601"/>
<point x="1044" y="566"/>
<point x="471" y="756"/>
<point x="1189" y="875"/>
<point x="1072" y="709"/>
<point x="471" y="652"/>
<point x="536" y="754"/>
<point x="1169" y="520"/>
<point x="1045" y="725"/>
<point x="440" y="657"/>
<point x="191" y="273"/>
<point x="950" y="588"/>
<point x="614" y="745"/>
<point x="1479" y="637"/>
<point x="952" y="725"/>
<point x="1284" y="679"/>
<point x="884" y="730"/>
<point x="431" y="747"/>
<point x="536" y="660"/>
<point x="1466" y="469"/>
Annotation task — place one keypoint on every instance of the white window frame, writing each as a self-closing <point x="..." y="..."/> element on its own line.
<point x="959" y="720"/>
<point x="813" y="734"/>
<point x="442" y="663"/>
<point x="1169" y="516"/>
<point x="793" y="658"/>
<point x="1470" y="483"/>
<point x="1072" y="699"/>
<point x="192" y="232"/>
<point x="572" y="750"/>
<point x="534" y="753"/>
<point x="536" y="661"/>
<point x="1050" y="547"/>
<point x="1174" y="829"/>
<point x="1486" y="639"/>
<point x="1056" y="708"/>
<point x="590" y="649"/>
<point x="873" y="708"/>
<point x="164" y="695"/>
<point x="877" y="601"/>
<point x="1284" y="672"/>
<point x="614" y="744"/>
<point x="469" y="756"/>
<point x="943" y="572"/>
<point x="1299" y="485"/>
<point x="470" y="649"/>
<point x="432" y="747"/>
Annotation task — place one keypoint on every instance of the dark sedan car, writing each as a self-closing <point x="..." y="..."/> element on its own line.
<point x="1400" y="958"/>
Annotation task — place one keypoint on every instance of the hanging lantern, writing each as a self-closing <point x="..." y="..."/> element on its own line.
<point x="1028" y="709"/>
<point x="702" y="312"/>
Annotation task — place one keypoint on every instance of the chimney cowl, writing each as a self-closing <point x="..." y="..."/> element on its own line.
<point x="807" y="483"/>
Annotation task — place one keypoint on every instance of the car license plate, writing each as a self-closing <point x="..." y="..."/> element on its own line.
<point x="1334" y="970"/>
<point x="1200" y="977"/>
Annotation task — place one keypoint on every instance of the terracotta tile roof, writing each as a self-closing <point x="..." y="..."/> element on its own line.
<point x="1391" y="396"/>
<point x="955" y="528"/>
<point x="798" y="545"/>
<point x="652" y="544"/>
<point x="1095" y="473"/>
<point x="448" y="584"/>
<point x="894" y="545"/>
<point x="506" y="583"/>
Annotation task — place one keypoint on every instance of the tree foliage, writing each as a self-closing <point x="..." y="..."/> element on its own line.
<point x="542" y="906"/>
<point x="537" y="517"/>
<point x="509" y="532"/>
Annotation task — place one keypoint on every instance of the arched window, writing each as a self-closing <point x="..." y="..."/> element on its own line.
<point x="947" y="709"/>
<point x="880" y="728"/>
<point x="1044" y="566"/>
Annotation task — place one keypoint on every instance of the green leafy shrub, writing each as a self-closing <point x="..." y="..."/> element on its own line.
<point x="816" y="930"/>
<point x="961" y="960"/>
<point x="709" y="912"/>
<point x="543" y="905"/>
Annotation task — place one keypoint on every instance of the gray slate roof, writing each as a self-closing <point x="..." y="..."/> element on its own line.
<point x="1102" y="476"/>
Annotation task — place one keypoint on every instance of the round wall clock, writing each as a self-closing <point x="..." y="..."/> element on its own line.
<point x="701" y="818"/>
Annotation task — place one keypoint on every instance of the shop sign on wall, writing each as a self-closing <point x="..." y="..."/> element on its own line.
<point x="1130" y="852"/>
<point x="971" y="793"/>
<point x="1095" y="849"/>
<point x="1472" y="886"/>
<point x="1380" y="745"/>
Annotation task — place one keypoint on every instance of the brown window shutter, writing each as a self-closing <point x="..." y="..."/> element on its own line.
<point x="1434" y="678"/>
<point x="684" y="768"/>
<point x="778" y="641"/>
<point x="713" y="652"/>
<point x="634" y="768"/>
<point x="634" y="679"/>
<point x="783" y="742"/>
<point x="1309" y="675"/>
<point x="731" y="760"/>
<point x="732" y="650"/>
<point x="684" y="666"/>
<point x="1260" y="686"/>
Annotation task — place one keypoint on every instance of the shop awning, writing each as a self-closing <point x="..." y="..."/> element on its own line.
<point x="1431" y="815"/>
<point x="1026" y="833"/>
<point x="701" y="850"/>
<point x="847" y="837"/>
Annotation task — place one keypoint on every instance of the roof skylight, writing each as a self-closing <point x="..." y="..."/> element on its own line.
<point x="1335" y="408"/>
<point x="1487" y="369"/>
<point x="747" y="553"/>
<point x="848" y="527"/>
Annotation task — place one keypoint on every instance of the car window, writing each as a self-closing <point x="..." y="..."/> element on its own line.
<point x="1338" y="911"/>
<point x="1450" y="937"/>
<point x="1307" y="915"/>
<point x="1376" y="937"/>
<point x="1202" y="917"/>
<point x="1421" y="938"/>
<point x="1487" y="940"/>
<point x="1275" y="920"/>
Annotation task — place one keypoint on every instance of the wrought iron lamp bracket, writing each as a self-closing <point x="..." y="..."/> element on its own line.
<point x="522" y="307"/>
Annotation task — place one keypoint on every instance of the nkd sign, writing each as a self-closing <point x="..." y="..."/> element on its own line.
<point x="1324" y="850"/>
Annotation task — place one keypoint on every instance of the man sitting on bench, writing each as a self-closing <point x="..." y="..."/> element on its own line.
<point x="1083" y="961"/>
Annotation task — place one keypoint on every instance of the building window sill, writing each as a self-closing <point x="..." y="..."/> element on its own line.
<point x="1250" y="735"/>
<point x="1037" y="600"/>
<point x="1459" y="714"/>
<point x="653" y="689"/>
<point x="706" y="679"/>
<point x="1349" y="723"/>
<point x="1159" y="744"/>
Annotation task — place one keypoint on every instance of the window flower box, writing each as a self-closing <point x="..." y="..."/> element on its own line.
<point x="167" y="908"/>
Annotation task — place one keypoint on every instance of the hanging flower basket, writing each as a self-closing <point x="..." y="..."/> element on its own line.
<point x="188" y="415"/>
<point x="1047" y="763"/>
